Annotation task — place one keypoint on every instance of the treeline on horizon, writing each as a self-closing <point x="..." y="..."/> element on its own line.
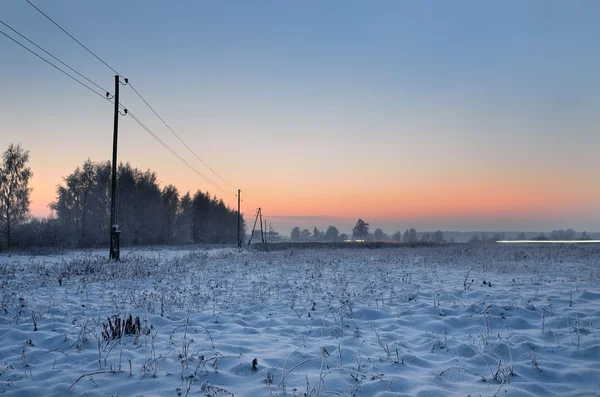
<point x="412" y="236"/>
<point x="361" y="232"/>
<point x="146" y="213"/>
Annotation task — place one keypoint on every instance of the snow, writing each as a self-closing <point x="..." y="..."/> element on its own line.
<point x="456" y="320"/>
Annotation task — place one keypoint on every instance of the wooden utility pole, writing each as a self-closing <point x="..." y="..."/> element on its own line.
<point x="238" y="225"/>
<point x="114" y="228"/>
<point x="262" y="236"/>
<point x="254" y="227"/>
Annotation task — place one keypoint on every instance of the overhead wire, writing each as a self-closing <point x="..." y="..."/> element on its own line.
<point x="133" y="88"/>
<point x="105" y="98"/>
<point x="68" y="34"/>
<point x="54" y="66"/>
<point x="178" y="137"/>
<point x="252" y="203"/>
<point x="48" y="53"/>
<point x="166" y="146"/>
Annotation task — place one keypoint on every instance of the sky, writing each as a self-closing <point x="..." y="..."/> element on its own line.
<point x="463" y="115"/>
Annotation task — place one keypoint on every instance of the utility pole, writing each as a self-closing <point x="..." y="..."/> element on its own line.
<point x="254" y="227"/>
<point x="114" y="228"/>
<point x="262" y="236"/>
<point x="239" y="226"/>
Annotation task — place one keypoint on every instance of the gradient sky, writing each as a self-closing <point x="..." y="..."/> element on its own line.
<point x="455" y="115"/>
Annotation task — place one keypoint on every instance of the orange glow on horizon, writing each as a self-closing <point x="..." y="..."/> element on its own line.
<point x="411" y="196"/>
<point x="422" y="201"/>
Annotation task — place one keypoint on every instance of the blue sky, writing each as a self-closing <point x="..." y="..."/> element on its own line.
<point x="440" y="104"/>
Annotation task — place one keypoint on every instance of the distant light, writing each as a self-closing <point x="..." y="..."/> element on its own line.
<point x="548" y="241"/>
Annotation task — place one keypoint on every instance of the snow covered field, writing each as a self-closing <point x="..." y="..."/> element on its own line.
<point x="457" y="320"/>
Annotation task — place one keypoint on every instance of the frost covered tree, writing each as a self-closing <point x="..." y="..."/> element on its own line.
<point x="316" y="234"/>
<point x="183" y="230"/>
<point x="170" y="199"/>
<point x="147" y="224"/>
<point x="361" y="229"/>
<point x="14" y="189"/>
<point x="295" y="234"/>
<point x="410" y="236"/>
<point x="146" y="213"/>
<point x="332" y="234"/>
<point x="585" y="236"/>
<point x="83" y="205"/>
<point x="305" y="234"/>
<point x="561" y="234"/>
<point x="438" y="237"/>
<point x="379" y="235"/>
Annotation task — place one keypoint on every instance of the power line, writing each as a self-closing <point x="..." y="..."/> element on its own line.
<point x="78" y="42"/>
<point x="103" y="97"/>
<point x="149" y="131"/>
<point x="184" y="144"/>
<point x="178" y="137"/>
<point x="249" y="202"/>
<point x="30" y="41"/>
<point x="137" y="93"/>
<point x="174" y="153"/>
<point x="54" y="66"/>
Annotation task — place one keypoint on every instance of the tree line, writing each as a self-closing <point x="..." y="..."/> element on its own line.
<point x="560" y="235"/>
<point x="146" y="213"/>
<point x="360" y="232"/>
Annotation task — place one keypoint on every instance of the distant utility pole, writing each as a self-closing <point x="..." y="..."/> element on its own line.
<point x="262" y="236"/>
<point x="238" y="226"/>
<point x="254" y="227"/>
<point x="114" y="227"/>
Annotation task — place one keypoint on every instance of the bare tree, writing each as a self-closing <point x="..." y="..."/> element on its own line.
<point x="14" y="189"/>
<point x="361" y="229"/>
